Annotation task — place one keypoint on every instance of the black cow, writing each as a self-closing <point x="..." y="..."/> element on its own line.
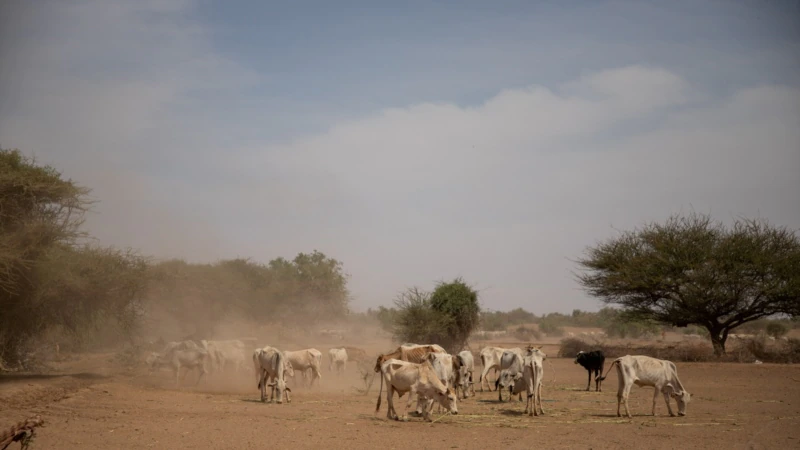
<point x="592" y="361"/>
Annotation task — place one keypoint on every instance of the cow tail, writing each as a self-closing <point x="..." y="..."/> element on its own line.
<point x="616" y="361"/>
<point x="380" y="392"/>
<point x="257" y="367"/>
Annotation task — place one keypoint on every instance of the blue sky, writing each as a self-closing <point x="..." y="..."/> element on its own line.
<point x="415" y="141"/>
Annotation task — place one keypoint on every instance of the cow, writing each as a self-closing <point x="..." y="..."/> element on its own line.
<point x="356" y="354"/>
<point x="467" y="367"/>
<point x="529" y="380"/>
<point x="413" y="378"/>
<point x="647" y="371"/>
<point x="337" y="357"/>
<point x="414" y="353"/>
<point x="177" y="358"/>
<point x="593" y="362"/>
<point x="271" y="363"/>
<point x="226" y="354"/>
<point x="446" y="367"/>
<point x="490" y="359"/>
<point x="510" y="367"/>
<point x="305" y="360"/>
<point x="408" y="352"/>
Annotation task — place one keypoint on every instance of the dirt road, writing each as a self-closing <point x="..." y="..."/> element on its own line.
<point x="733" y="406"/>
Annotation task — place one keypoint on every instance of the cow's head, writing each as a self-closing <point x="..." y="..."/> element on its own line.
<point x="507" y="379"/>
<point x="152" y="360"/>
<point x="579" y="357"/>
<point x="379" y="362"/>
<point x="681" y="397"/>
<point x="447" y="398"/>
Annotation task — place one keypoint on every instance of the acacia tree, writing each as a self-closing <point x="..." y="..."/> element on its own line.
<point x="693" y="270"/>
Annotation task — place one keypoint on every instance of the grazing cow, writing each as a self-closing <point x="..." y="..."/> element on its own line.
<point x="271" y="363"/>
<point x="646" y="371"/>
<point x="510" y="367"/>
<point x="305" y="360"/>
<point x="592" y="362"/>
<point x="337" y="357"/>
<point x="446" y="367"/>
<point x="406" y="377"/>
<point x="530" y="382"/>
<point x="467" y="367"/>
<point x="193" y="358"/>
<point x="490" y="359"/>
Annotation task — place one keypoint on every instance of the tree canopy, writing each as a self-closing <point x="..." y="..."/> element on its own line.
<point x="447" y="316"/>
<point x="694" y="270"/>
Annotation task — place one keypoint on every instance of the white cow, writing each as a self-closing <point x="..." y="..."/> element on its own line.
<point x="228" y="354"/>
<point x="446" y="367"/>
<point x="464" y="379"/>
<point x="420" y="379"/>
<point x="304" y="360"/>
<point x="337" y="357"/>
<point x="271" y="364"/>
<point x="490" y="359"/>
<point x="530" y="382"/>
<point x="510" y="367"/>
<point x="176" y="358"/>
<point x="646" y="371"/>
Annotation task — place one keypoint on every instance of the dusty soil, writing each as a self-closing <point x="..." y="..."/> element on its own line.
<point x="733" y="406"/>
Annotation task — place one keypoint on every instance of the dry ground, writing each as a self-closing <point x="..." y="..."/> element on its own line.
<point x="733" y="406"/>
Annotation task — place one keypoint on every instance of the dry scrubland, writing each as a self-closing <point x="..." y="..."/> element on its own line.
<point x="92" y="401"/>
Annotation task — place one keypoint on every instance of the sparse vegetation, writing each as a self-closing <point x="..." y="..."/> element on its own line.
<point x="692" y="270"/>
<point x="445" y="317"/>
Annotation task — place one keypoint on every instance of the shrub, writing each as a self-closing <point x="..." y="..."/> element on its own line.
<point x="777" y="329"/>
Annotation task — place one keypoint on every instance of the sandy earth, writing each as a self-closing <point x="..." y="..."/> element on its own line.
<point x="733" y="406"/>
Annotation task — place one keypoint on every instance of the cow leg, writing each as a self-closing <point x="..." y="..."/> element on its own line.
<point x="528" y="403"/>
<point x="655" y="397"/>
<point x="539" y="399"/>
<point x="390" y="412"/>
<point x="589" y="383"/>
<point x="484" y="374"/>
<point x="626" y="391"/>
<point x="666" y="400"/>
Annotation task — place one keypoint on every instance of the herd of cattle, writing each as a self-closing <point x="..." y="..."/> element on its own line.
<point x="426" y="372"/>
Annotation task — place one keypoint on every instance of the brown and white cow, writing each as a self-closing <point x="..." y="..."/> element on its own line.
<point x="647" y="371"/>
<point x="412" y="378"/>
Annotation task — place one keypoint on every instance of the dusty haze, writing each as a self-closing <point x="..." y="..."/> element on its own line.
<point x="486" y="145"/>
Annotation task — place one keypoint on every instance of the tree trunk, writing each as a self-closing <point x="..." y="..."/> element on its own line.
<point x="718" y="338"/>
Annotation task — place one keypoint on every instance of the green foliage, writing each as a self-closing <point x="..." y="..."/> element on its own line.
<point x="691" y="270"/>
<point x="47" y="280"/>
<point x="445" y="317"/>
<point x="310" y="288"/>
<point x="777" y="329"/>
<point x="500" y="321"/>
<point x="457" y="304"/>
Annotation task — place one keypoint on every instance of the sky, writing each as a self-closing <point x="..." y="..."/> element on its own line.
<point x="413" y="141"/>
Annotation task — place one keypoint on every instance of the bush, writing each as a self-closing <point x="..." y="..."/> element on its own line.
<point x="524" y="333"/>
<point x="777" y="329"/>
<point x="550" y="327"/>
<point x="446" y="317"/>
